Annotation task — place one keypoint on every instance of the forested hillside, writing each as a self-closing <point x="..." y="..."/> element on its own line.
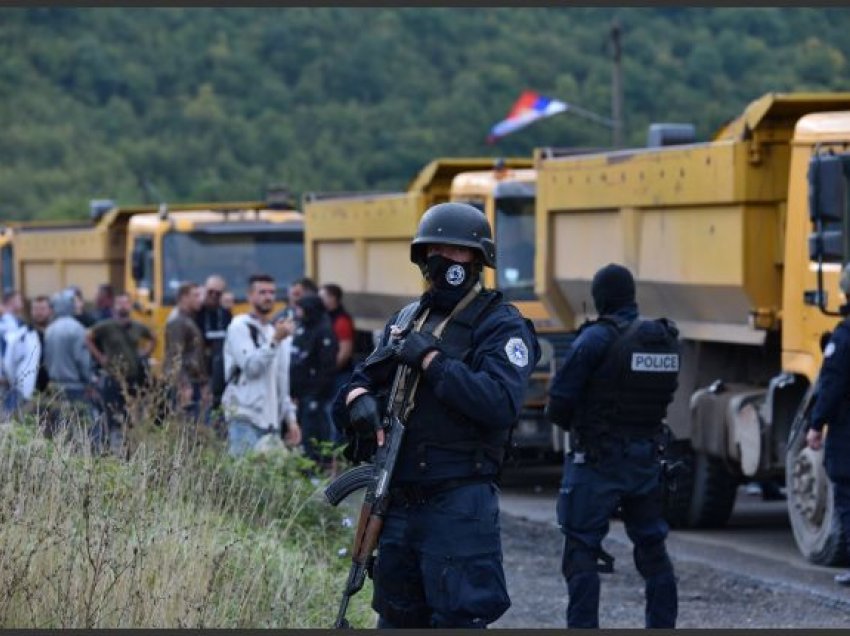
<point x="196" y="104"/>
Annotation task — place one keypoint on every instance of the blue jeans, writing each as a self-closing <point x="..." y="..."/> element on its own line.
<point x="242" y="436"/>
<point x="440" y="562"/>
<point x="627" y="474"/>
<point x="11" y="401"/>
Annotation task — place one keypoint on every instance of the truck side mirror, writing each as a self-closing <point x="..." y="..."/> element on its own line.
<point x="828" y="211"/>
<point x="828" y="206"/>
<point x="827" y="188"/>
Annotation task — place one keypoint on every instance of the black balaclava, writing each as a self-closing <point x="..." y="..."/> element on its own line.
<point x="613" y="287"/>
<point x="450" y="280"/>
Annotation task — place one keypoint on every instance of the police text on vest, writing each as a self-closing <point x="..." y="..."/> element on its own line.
<point x="655" y="362"/>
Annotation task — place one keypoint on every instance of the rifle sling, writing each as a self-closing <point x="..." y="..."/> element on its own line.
<point x="438" y="331"/>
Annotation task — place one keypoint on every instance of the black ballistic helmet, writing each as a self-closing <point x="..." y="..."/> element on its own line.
<point x="454" y="224"/>
<point x="613" y="287"/>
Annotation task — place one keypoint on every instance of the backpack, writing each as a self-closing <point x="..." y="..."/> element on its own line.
<point x="236" y="372"/>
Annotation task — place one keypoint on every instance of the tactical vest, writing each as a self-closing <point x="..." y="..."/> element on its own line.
<point x="630" y="391"/>
<point x="432" y="423"/>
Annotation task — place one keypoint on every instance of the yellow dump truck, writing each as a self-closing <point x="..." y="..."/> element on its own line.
<point x="740" y="241"/>
<point x="362" y="242"/>
<point x="149" y="250"/>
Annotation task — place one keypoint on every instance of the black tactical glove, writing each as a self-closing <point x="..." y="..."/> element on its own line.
<point x="415" y="347"/>
<point x="365" y="417"/>
<point x="360" y="449"/>
<point x="364" y="414"/>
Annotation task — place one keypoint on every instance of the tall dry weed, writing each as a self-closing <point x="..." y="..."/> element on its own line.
<point x="176" y="535"/>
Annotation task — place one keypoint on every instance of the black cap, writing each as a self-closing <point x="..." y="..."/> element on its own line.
<point x="613" y="287"/>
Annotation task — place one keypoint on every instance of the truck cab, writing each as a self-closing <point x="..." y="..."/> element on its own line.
<point x="168" y="247"/>
<point x="508" y="197"/>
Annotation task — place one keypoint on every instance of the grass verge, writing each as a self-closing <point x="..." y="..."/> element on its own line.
<point x="177" y="535"/>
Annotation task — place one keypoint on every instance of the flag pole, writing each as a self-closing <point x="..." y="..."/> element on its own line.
<point x="599" y="119"/>
<point x="617" y="86"/>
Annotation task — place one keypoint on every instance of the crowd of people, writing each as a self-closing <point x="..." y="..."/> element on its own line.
<point x="245" y="376"/>
<point x="73" y="361"/>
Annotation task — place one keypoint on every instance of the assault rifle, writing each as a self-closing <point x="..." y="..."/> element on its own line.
<point x="375" y="477"/>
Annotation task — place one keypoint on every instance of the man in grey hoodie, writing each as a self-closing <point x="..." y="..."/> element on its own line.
<point x="66" y="356"/>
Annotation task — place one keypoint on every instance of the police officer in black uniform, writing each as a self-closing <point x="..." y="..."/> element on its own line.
<point x="612" y="393"/>
<point x="439" y="560"/>
<point x="832" y="407"/>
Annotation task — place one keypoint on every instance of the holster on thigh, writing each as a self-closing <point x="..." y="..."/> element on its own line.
<point x="580" y="558"/>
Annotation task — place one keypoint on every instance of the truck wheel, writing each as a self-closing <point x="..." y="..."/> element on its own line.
<point x="714" y="492"/>
<point x="706" y="493"/>
<point x="816" y="526"/>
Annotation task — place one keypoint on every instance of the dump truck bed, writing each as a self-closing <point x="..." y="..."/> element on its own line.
<point x="362" y="242"/>
<point x="701" y="225"/>
<point x="52" y="256"/>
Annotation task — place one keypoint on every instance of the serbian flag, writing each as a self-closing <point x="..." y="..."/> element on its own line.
<point x="530" y="107"/>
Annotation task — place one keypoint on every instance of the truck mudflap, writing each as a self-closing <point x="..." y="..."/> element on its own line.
<point x="726" y="424"/>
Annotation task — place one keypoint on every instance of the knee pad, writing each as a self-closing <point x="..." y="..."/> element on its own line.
<point x="652" y="559"/>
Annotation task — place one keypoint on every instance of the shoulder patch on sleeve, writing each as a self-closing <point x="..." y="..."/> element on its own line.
<point x="517" y="352"/>
<point x="829" y="350"/>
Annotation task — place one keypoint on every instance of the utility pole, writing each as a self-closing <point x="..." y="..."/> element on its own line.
<point x="617" y="86"/>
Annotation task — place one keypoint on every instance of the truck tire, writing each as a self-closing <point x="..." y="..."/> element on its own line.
<point x="706" y="493"/>
<point x="814" y="522"/>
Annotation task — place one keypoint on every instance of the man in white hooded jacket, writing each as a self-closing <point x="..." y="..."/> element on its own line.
<point x="256" y="399"/>
<point x="20" y="366"/>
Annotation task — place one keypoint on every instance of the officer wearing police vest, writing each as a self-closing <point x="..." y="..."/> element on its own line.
<point x="612" y="393"/>
<point x="439" y="560"/>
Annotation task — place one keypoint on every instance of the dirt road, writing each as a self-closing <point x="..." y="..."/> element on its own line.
<point x="747" y="575"/>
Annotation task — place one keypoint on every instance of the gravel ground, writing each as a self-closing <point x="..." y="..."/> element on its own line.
<point x="708" y="597"/>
